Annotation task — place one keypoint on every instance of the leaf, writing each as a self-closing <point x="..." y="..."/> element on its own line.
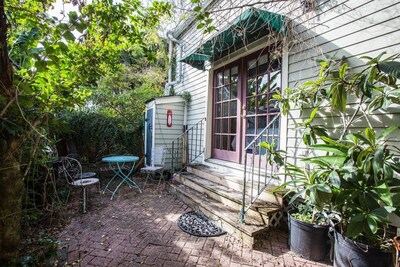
<point x="296" y="196"/>
<point x="312" y="116"/>
<point x="376" y="103"/>
<point x="391" y="68"/>
<point x="334" y="178"/>
<point x="197" y="9"/>
<point x="387" y="131"/>
<point x="338" y="96"/>
<point x="370" y="135"/>
<point x="329" y="148"/>
<point x="333" y="142"/>
<point x="377" y="161"/>
<point x="200" y="26"/>
<point x="307" y="137"/>
<point x="366" y="87"/>
<point x="372" y="224"/>
<point x="73" y="16"/>
<point x="382" y="212"/>
<point x="342" y="70"/>
<point x="69" y="36"/>
<point x="320" y="130"/>
<point x="387" y="171"/>
<point x="354" y="228"/>
<point x="80" y="27"/>
<point x="384" y="193"/>
<point x="323" y="188"/>
<point x="332" y="160"/>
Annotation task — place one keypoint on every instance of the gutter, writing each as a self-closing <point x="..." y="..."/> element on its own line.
<point x="170" y="83"/>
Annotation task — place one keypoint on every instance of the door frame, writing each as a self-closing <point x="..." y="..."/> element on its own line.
<point x="241" y="62"/>
<point x="149" y="130"/>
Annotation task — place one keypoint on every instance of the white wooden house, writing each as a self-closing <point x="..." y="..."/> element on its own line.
<point x="230" y="75"/>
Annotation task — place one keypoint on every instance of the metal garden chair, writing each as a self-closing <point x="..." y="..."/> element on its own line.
<point x="157" y="165"/>
<point x="84" y="174"/>
<point x="72" y="170"/>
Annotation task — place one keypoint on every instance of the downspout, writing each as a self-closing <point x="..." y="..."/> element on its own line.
<point x="170" y="83"/>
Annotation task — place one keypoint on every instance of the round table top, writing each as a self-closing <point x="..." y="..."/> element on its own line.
<point x="120" y="159"/>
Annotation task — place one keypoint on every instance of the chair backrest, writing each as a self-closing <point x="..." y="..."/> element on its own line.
<point x="159" y="156"/>
<point x="71" y="169"/>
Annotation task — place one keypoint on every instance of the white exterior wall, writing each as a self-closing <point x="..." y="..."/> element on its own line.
<point x="350" y="28"/>
<point x="163" y="135"/>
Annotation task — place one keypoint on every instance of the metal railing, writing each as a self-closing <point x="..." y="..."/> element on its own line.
<point x="259" y="173"/>
<point x="188" y="146"/>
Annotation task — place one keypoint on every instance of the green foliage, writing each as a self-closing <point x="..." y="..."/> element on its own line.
<point x="273" y="154"/>
<point x="96" y="135"/>
<point x="306" y="214"/>
<point x="202" y="17"/>
<point x="56" y="60"/>
<point x="357" y="173"/>
<point x="123" y="92"/>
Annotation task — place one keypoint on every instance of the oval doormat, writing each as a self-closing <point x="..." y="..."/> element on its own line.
<point x="197" y="224"/>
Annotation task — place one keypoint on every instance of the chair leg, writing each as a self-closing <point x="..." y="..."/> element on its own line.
<point x="148" y="175"/>
<point x="84" y="199"/>
<point x="161" y="178"/>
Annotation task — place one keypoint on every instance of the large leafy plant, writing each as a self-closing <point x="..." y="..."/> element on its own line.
<point x="358" y="169"/>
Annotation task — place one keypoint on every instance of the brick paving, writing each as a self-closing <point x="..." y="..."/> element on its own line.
<point x="137" y="229"/>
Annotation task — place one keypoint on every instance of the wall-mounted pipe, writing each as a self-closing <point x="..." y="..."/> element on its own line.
<point x="170" y="82"/>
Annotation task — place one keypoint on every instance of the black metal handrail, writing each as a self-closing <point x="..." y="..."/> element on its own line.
<point x="188" y="146"/>
<point x="261" y="176"/>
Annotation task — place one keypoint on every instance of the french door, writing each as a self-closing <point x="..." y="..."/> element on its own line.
<point x="226" y="122"/>
<point x="243" y="105"/>
<point x="263" y="79"/>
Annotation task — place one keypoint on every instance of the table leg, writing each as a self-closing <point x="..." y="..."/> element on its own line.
<point x="112" y="179"/>
<point x="125" y="178"/>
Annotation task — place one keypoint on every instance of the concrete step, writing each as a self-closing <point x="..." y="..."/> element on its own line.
<point x="231" y="176"/>
<point x="250" y="233"/>
<point x="260" y="210"/>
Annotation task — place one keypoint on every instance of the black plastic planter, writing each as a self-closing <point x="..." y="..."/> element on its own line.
<point x="310" y="241"/>
<point x="351" y="253"/>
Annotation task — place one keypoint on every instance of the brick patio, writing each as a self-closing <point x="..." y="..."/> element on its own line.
<point x="137" y="229"/>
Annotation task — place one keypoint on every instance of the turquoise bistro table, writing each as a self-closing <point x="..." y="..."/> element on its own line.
<point x="122" y="171"/>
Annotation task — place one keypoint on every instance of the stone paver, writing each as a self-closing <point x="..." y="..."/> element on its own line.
<point x="137" y="229"/>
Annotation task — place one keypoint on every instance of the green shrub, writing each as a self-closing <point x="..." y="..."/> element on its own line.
<point x="96" y="134"/>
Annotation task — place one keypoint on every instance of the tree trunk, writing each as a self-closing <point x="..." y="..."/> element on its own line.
<point x="11" y="191"/>
<point x="11" y="184"/>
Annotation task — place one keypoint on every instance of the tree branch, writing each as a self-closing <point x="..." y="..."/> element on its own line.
<point x="347" y="125"/>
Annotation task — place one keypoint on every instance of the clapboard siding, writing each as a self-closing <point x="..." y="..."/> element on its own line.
<point x="350" y="28"/>
<point x="163" y="135"/>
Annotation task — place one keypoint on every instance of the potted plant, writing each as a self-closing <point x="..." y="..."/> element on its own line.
<point x="311" y="189"/>
<point x="310" y="194"/>
<point x="361" y="167"/>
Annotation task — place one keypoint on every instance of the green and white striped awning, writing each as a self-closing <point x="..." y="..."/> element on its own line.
<point x="249" y="26"/>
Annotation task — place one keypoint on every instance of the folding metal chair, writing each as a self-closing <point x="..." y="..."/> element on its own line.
<point x="157" y="165"/>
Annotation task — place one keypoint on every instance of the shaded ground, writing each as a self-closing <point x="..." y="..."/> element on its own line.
<point x="137" y="229"/>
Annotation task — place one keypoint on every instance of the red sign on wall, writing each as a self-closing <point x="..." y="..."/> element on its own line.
<point x="169" y="118"/>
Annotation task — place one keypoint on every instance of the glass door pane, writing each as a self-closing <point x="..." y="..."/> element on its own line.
<point x="225" y="141"/>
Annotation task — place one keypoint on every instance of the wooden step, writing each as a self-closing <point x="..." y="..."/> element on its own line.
<point x="231" y="177"/>
<point x="250" y="233"/>
<point x="227" y="196"/>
